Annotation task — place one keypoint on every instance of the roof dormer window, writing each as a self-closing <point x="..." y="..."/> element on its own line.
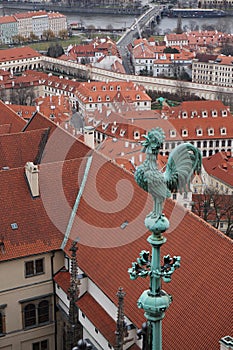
<point x="184" y="132"/>
<point x="199" y="132"/>
<point x="90" y="99"/>
<point x="172" y="133"/>
<point x="204" y="114"/>
<point x="104" y="88"/>
<point x="122" y="132"/>
<point x="184" y="115"/>
<point x="94" y="88"/>
<point x="104" y="126"/>
<point x="224" y="113"/>
<point x="99" y="98"/>
<point x="118" y="87"/>
<point x="223" y="131"/>
<point x="114" y="129"/>
<point x="111" y="88"/>
<point x="210" y="131"/>
<point x="136" y="135"/>
<point x="193" y="114"/>
<point x="214" y="113"/>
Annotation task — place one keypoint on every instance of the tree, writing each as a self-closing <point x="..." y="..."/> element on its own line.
<point x="55" y="50"/>
<point x="2" y="94"/>
<point x="33" y="37"/>
<point x="19" y="39"/>
<point x="171" y="50"/>
<point x="215" y="207"/>
<point x="181" y="90"/>
<point x="63" y="34"/>
<point x="227" y="48"/>
<point x="22" y="96"/>
<point x="48" y="34"/>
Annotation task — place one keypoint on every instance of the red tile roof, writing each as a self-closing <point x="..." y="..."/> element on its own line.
<point x="10" y="118"/>
<point x="198" y="107"/>
<point x="30" y="14"/>
<point x="201" y="288"/>
<point x="100" y="319"/>
<point x="18" y="53"/>
<point x="30" y="237"/>
<point x="7" y="19"/>
<point x="17" y="149"/>
<point x="177" y="37"/>
<point x="61" y="145"/>
<point x="220" y="166"/>
<point x="25" y="112"/>
<point x="62" y="278"/>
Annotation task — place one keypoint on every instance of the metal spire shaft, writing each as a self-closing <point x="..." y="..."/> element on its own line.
<point x="120" y="331"/>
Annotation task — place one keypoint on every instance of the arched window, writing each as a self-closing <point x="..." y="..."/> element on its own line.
<point x="29" y="315"/>
<point x="43" y="311"/>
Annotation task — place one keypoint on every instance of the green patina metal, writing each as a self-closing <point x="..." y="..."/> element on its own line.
<point x="77" y="201"/>
<point x="183" y="162"/>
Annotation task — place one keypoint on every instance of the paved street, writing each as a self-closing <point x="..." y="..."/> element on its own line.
<point x="134" y="32"/>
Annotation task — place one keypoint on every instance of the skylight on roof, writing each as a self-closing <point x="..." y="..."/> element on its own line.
<point x="124" y="224"/>
<point x="14" y="226"/>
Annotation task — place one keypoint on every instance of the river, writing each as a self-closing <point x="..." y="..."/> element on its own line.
<point x="125" y="21"/>
<point x="165" y="25"/>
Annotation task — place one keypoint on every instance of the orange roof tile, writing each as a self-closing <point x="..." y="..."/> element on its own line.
<point x="9" y="117"/>
<point x="17" y="149"/>
<point x="30" y="14"/>
<point x="62" y="145"/>
<point x="203" y="284"/>
<point x="220" y="166"/>
<point x="101" y="320"/>
<point x="7" y="19"/>
<point x="18" y="53"/>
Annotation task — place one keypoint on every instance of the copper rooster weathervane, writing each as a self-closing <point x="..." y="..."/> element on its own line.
<point x="183" y="162"/>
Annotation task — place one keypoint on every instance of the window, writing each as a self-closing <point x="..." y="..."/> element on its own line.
<point x="2" y="320"/>
<point x="214" y="113"/>
<point x="36" y="313"/>
<point x="41" y="345"/>
<point x="184" y="132"/>
<point x="224" y="113"/>
<point x="204" y="114"/>
<point x="199" y="132"/>
<point x="34" y="267"/>
<point x="174" y="196"/>
<point x="172" y="133"/>
<point x="223" y="131"/>
<point x="43" y="311"/>
<point x="210" y="131"/>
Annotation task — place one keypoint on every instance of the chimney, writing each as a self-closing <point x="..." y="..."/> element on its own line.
<point x="226" y="343"/>
<point x="32" y="175"/>
<point x="89" y="136"/>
